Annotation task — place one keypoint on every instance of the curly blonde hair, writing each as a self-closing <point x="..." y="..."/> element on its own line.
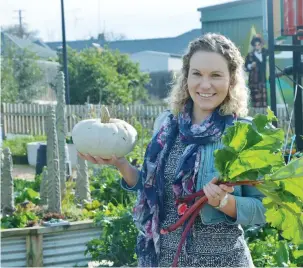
<point x="238" y="94"/>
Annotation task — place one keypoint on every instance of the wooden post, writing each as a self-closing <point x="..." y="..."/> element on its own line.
<point x="34" y="250"/>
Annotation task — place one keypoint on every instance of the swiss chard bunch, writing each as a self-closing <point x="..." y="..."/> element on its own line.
<point x="253" y="153"/>
<point x="252" y="156"/>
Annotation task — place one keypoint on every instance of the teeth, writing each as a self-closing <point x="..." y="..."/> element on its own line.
<point x="205" y="95"/>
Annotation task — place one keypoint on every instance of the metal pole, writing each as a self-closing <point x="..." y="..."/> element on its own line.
<point x="65" y="70"/>
<point x="298" y="102"/>
<point x="271" y="51"/>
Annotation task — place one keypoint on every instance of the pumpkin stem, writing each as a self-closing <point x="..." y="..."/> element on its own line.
<point x="105" y="116"/>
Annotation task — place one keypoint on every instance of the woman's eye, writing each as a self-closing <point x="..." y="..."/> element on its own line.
<point x="216" y="75"/>
<point x="196" y="73"/>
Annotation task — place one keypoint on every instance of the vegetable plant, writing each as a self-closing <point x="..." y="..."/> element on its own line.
<point x="118" y="238"/>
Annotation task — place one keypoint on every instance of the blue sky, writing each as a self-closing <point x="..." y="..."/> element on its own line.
<point x="135" y="19"/>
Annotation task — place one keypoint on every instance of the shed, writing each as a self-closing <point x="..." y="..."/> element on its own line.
<point x="235" y="20"/>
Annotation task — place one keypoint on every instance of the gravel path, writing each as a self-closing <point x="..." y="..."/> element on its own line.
<point x="25" y="172"/>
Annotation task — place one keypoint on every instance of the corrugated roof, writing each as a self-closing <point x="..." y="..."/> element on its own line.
<point x="41" y="51"/>
<point x="223" y="5"/>
<point x="171" y="45"/>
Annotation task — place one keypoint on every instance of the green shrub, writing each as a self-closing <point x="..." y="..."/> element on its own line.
<point x="18" y="145"/>
<point x="105" y="187"/>
<point x="269" y="249"/>
<point x="118" y="238"/>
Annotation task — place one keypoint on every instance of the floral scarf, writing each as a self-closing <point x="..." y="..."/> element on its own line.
<point x="148" y="211"/>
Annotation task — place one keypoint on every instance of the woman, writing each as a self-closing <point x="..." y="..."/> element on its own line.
<point x="255" y="64"/>
<point x="179" y="160"/>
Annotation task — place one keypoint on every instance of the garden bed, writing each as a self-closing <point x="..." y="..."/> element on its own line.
<point x="47" y="246"/>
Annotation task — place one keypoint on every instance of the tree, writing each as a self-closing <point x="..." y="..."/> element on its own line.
<point x="21" y="32"/>
<point x="111" y="36"/>
<point x="104" y="75"/>
<point x="21" y="77"/>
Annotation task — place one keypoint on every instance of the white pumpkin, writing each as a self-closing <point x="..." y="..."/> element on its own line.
<point x="104" y="137"/>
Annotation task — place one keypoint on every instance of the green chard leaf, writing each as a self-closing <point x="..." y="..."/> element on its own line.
<point x="250" y="149"/>
<point x="223" y="158"/>
<point x="240" y="136"/>
<point x="262" y="161"/>
<point x="284" y="200"/>
<point x="292" y="177"/>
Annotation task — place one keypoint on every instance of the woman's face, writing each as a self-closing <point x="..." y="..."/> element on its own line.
<point x="208" y="81"/>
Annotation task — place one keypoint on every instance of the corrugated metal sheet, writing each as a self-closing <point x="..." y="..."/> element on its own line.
<point x="67" y="248"/>
<point x="237" y="30"/>
<point x="13" y="251"/>
<point x="232" y="11"/>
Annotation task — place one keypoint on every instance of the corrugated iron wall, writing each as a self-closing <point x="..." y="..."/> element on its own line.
<point x="13" y="251"/>
<point x="63" y="246"/>
<point x="237" y="30"/>
<point x="67" y="249"/>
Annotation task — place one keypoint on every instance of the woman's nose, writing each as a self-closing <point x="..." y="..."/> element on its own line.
<point x="205" y="83"/>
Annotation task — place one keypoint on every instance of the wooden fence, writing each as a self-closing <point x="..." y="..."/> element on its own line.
<point x="30" y="118"/>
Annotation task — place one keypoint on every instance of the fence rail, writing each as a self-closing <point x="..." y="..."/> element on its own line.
<point x="31" y="118"/>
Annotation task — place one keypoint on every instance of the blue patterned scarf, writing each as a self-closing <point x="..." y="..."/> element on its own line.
<point x="148" y="211"/>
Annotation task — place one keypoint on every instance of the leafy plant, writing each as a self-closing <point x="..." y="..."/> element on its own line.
<point x="28" y="194"/>
<point x="22" y="216"/>
<point x="106" y="187"/>
<point x="118" y="237"/>
<point x="50" y="215"/>
<point x="21" y="184"/>
<point x="27" y="190"/>
<point x="269" y="249"/>
<point x="18" y="145"/>
<point x="136" y="157"/>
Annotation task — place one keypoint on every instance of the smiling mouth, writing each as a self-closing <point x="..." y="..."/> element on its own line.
<point x="206" y="95"/>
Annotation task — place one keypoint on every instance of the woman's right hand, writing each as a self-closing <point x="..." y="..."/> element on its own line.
<point x="114" y="161"/>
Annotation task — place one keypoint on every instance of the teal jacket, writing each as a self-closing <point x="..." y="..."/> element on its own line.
<point x="250" y="210"/>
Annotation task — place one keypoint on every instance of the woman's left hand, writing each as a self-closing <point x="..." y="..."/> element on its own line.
<point x="215" y="193"/>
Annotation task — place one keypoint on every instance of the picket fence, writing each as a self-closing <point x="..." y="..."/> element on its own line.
<point x="29" y="119"/>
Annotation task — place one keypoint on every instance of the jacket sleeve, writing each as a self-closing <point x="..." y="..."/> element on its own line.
<point x="136" y="187"/>
<point x="248" y="62"/>
<point x="250" y="209"/>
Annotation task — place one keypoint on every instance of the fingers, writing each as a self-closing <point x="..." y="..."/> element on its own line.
<point x="101" y="160"/>
<point x="215" y="193"/>
<point x="92" y="159"/>
<point x="213" y="198"/>
<point x="214" y="180"/>
<point x="87" y="157"/>
<point x="228" y="189"/>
